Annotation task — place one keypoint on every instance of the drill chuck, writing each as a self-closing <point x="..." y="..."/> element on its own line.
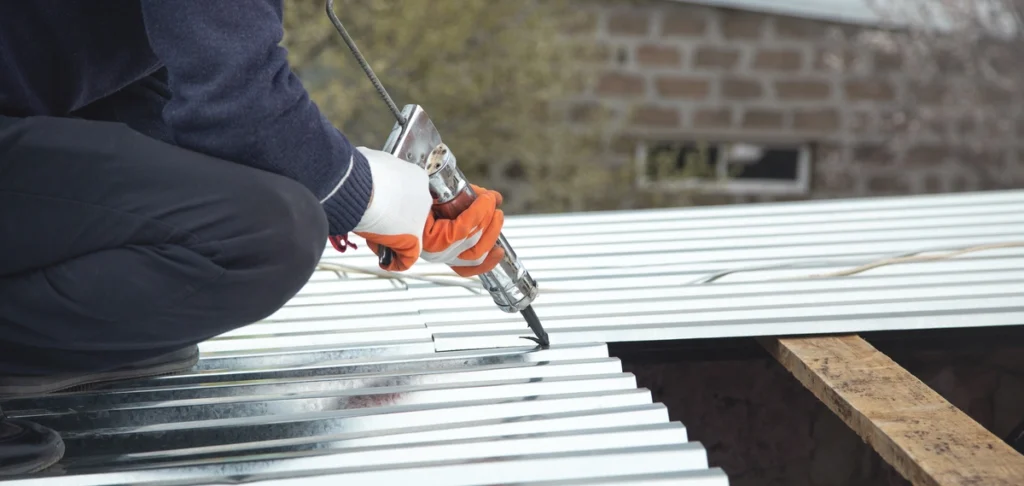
<point x="510" y="285"/>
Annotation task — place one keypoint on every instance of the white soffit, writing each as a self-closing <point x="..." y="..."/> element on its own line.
<point x="893" y="13"/>
<point x="849" y="11"/>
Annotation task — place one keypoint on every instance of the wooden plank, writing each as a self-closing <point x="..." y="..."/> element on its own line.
<point x="927" y="439"/>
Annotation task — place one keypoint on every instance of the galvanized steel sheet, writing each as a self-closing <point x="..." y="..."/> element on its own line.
<point x="369" y="380"/>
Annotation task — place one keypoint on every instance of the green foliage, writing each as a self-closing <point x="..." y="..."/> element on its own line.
<point x="665" y="164"/>
<point x="490" y="74"/>
<point x="673" y="165"/>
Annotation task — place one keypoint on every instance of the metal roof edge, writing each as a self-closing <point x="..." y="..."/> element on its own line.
<point x="855" y="12"/>
<point x="901" y="15"/>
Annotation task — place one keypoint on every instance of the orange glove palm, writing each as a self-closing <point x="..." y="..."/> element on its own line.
<point x="467" y="243"/>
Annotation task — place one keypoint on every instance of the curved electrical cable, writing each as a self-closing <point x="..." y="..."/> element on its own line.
<point x="473" y="285"/>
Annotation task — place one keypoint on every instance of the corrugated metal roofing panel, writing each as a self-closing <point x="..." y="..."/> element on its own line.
<point x="366" y="379"/>
<point x="634" y="276"/>
<point x="319" y="413"/>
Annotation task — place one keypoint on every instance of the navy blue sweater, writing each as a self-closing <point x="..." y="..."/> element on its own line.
<point x="207" y="75"/>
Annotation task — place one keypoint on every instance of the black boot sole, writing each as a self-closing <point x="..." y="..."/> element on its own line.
<point x="46" y="450"/>
<point x="168" y="364"/>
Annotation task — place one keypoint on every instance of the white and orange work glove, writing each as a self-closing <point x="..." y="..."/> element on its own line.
<point x="467" y="243"/>
<point x="398" y="209"/>
<point x="399" y="217"/>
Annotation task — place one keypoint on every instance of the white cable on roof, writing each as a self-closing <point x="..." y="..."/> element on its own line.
<point x="473" y="285"/>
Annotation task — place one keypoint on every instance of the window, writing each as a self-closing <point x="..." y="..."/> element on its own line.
<point x="725" y="167"/>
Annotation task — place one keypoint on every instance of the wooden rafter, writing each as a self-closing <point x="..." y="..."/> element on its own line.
<point x="927" y="439"/>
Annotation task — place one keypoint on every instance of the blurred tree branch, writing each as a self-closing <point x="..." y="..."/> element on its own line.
<point x="490" y="73"/>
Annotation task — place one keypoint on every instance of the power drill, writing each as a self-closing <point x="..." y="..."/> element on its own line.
<point x="415" y="139"/>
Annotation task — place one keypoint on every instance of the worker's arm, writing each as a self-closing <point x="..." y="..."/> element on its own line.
<point x="234" y="96"/>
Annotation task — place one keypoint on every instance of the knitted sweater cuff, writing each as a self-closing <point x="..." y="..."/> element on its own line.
<point x="349" y="199"/>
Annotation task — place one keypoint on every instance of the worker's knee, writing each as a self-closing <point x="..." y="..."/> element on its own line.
<point x="279" y="242"/>
<point x="292" y="229"/>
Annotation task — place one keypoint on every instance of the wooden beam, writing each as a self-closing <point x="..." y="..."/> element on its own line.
<point x="927" y="439"/>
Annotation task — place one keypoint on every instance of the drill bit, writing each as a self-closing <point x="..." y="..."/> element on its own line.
<point x="534" y="322"/>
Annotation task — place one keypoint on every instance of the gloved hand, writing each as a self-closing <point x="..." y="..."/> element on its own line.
<point x="398" y="209"/>
<point x="399" y="217"/>
<point x="466" y="243"/>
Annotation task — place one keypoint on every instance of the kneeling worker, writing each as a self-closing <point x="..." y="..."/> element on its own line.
<point x="165" y="178"/>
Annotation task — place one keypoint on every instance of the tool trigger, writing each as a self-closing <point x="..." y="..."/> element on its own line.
<point x="386" y="255"/>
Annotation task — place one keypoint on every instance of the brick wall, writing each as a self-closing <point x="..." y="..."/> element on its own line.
<point x="666" y="70"/>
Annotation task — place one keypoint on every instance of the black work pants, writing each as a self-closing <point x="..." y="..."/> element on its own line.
<point x="116" y="247"/>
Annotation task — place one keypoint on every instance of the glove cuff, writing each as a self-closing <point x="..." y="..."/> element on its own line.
<point x="348" y="201"/>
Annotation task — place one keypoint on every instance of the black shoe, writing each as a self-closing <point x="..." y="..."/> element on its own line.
<point x="26" y="447"/>
<point x="171" y="363"/>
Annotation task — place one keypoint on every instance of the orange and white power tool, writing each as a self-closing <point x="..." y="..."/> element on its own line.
<point x="415" y="139"/>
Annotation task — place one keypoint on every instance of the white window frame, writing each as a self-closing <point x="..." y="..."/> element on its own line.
<point x="801" y="186"/>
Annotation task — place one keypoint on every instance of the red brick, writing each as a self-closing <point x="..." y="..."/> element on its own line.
<point x="988" y="157"/>
<point x="888" y="62"/>
<point x="870" y="90"/>
<point x="712" y="118"/>
<point x="763" y="119"/>
<point x="629" y="23"/>
<point x="655" y="116"/>
<point x="802" y="90"/>
<point x="932" y="92"/>
<point x="839" y="178"/>
<point x="741" y="25"/>
<point x="985" y="126"/>
<point x="620" y="84"/>
<point x="963" y="183"/>
<point x="778" y="59"/>
<point x="744" y="89"/>
<point x="926" y="155"/>
<point x="659" y="56"/>
<point x="995" y="95"/>
<point x="935" y="125"/>
<point x="684" y="24"/>
<point x="933" y="183"/>
<point x="800" y="29"/>
<point x="888" y="183"/>
<point x="948" y="62"/>
<point x="736" y="24"/>
<point x="816" y="120"/>
<point x="682" y="87"/>
<point x="862" y="122"/>
<point x="872" y="154"/>
<point x="834" y="60"/>
<point x="716" y="57"/>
